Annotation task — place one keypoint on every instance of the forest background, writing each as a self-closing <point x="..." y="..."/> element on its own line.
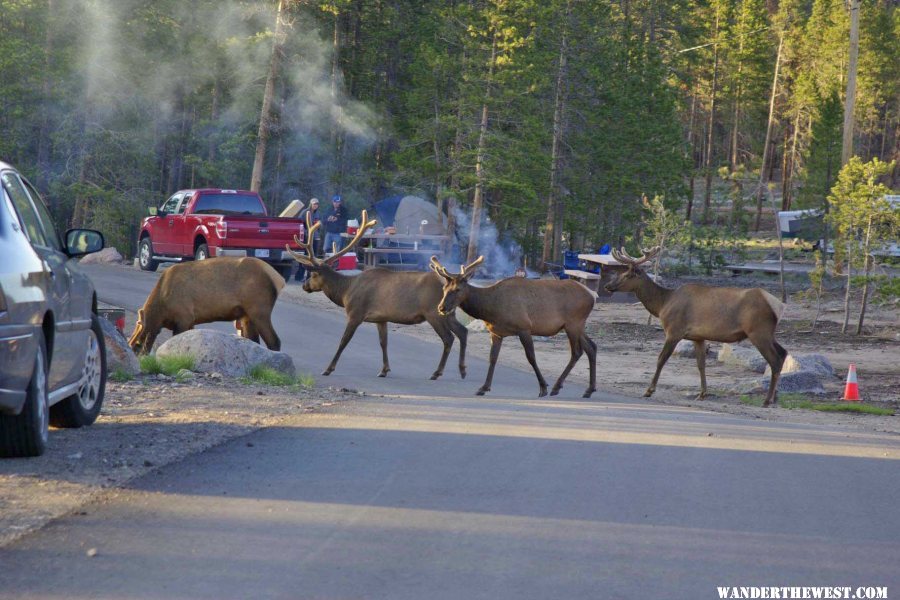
<point x="553" y="120"/>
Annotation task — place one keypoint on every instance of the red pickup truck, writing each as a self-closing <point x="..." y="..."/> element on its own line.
<point x="200" y="224"/>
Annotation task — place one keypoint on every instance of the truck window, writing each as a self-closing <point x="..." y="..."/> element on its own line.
<point x="228" y="204"/>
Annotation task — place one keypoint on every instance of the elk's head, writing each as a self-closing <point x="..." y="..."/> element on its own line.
<point x="630" y="279"/>
<point x="456" y="286"/>
<point x="137" y="339"/>
<point x="318" y="268"/>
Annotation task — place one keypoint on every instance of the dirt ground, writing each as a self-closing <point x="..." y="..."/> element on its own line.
<point x="150" y="422"/>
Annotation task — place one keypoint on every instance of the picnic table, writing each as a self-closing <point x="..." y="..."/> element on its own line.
<point x="412" y="250"/>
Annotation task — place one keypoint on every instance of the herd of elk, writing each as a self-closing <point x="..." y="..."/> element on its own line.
<point x="381" y="296"/>
<point x="243" y="290"/>
<point x="702" y="313"/>
<point x="523" y="308"/>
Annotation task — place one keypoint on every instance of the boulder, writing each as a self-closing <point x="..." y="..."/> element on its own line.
<point x="230" y="355"/>
<point x="686" y="349"/>
<point x="803" y="382"/>
<point x="106" y="256"/>
<point x="814" y="363"/>
<point x="742" y="356"/>
<point x="118" y="352"/>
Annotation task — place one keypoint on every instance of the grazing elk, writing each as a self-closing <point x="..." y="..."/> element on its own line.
<point x="523" y="307"/>
<point x="381" y="296"/>
<point x="243" y="290"/>
<point x="702" y="313"/>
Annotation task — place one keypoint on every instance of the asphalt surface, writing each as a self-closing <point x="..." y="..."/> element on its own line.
<point x="436" y="494"/>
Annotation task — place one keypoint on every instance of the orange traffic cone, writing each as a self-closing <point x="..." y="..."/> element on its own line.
<point x="851" y="390"/>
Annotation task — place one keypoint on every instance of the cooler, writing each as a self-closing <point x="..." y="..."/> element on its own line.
<point x="347" y="262"/>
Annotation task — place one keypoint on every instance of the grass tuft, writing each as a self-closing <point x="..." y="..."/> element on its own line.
<point x="261" y="374"/>
<point x="794" y="401"/>
<point x="120" y="375"/>
<point x="167" y="365"/>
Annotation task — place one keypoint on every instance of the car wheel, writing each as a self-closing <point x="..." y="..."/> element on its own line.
<point x="145" y="256"/>
<point x="27" y="433"/>
<point x="83" y="407"/>
<point x="202" y="252"/>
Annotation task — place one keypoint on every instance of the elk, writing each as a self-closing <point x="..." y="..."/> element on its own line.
<point x="702" y="313"/>
<point x="243" y="290"/>
<point x="523" y="308"/>
<point x="381" y="296"/>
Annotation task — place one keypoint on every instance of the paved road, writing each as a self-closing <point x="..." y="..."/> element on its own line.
<point x="508" y="496"/>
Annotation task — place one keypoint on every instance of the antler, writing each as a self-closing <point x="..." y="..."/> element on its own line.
<point x="623" y="257"/>
<point x="466" y="270"/>
<point x="366" y="225"/>
<point x="309" y="259"/>
<point x="438" y="268"/>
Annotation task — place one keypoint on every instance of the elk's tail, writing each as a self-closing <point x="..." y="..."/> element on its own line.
<point x="778" y="307"/>
<point x="277" y="280"/>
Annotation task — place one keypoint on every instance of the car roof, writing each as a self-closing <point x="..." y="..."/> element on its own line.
<point x="215" y="190"/>
<point x="5" y="165"/>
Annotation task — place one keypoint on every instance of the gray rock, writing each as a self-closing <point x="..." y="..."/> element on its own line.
<point x="104" y="257"/>
<point x="687" y="349"/>
<point x="118" y="354"/>
<point x="804" y="382"/>
<point x="742" y="356"/>
<point x="814" y="363"/>
<point x="184" y="374"/>
<point x="230" y="355"/>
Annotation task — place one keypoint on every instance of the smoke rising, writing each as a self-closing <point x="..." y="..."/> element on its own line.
<point x="502" y="254"/>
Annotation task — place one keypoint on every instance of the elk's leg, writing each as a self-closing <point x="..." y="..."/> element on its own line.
<point x="528" y="344"/>
<point x="248" y="330"/>
<point x="460" y="331"/>
<point x="700" y="348"/>
<point x="668" y="348"/>
<point x="591" y="349"/>
<point x="774" y="354"/>
<point x="382" y="338"/>
<point x="262" y="323"/>
<point x="496" y="342"/>
<point x="442" y="328"/>
<point x="577" y="351"/>
<point x="345" y="339"/>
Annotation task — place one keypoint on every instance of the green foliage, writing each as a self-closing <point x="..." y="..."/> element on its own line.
<point x="119" y="375"/>
<point x="798" y="401"/>
<point x="260" y="374"/>
<point x="166" y="365"/>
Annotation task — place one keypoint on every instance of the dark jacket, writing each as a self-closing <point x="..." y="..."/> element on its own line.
<point x="315" y="217"/>
<point x="339" y="224"/>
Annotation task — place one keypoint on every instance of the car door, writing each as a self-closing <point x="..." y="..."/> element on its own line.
<point x="180" y="230"/>
<point x="163" y="237"/>
<point x="62" y="348"/>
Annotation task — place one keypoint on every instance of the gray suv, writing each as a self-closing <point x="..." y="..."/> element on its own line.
<point x="52" y="357"/>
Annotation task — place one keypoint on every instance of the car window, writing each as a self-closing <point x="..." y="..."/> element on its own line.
<point x="184" y="203"/>
<point x="22" y="203"/>
<point x="46" y="220"/>
<point x="171" y="204"/>
<point x="229" y="204"/>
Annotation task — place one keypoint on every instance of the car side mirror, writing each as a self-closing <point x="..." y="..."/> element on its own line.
<point x="153" y="211"/>
<point x="83" y="241"/>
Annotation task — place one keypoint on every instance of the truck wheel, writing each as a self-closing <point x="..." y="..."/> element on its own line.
<point x="83" y="407"/>
<point x="27" y="433"/>
<point x="145" y="256"/>
<point x="202" y="252"/>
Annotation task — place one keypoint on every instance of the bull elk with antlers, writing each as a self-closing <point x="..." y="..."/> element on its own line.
<point x="702" y="313"/>
<point x="523" y="308"/>
<point x="381" y="296"/>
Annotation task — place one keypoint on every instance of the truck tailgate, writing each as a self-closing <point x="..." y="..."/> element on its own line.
<point x="261" y="232"/>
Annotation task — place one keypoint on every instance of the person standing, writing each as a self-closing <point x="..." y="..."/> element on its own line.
<point x="314" y="217"/>
<point x="335" y="224"/>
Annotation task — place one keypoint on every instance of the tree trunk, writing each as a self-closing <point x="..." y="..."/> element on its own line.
<point x="43" y="149"/>
<point x="771" y="120"/>
<point x="733" y="156"/>
<point x="553" y="229"/>
<point x="337" y="136"/>
<point x="690" y="151"/>
<point x="868" y="269"/>
<point x="478" y="198"/>
<point x="847" y="291"/>
<point x="785" y="166"/>
<point x="850" y="100"/>
<point x="265" y="116"/>
<point x="707" y="194"/>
